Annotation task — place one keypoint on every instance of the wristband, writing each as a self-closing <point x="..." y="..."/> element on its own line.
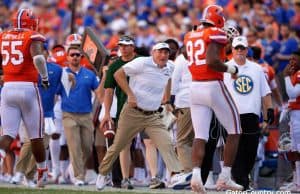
<point x="45" y="79"/>
<point x="232" y="69"/>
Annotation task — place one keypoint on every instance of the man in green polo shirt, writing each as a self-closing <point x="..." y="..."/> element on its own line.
<point x="126" y="48"/>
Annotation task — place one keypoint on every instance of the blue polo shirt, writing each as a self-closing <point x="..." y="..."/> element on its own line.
<point x="48" y="96"/>
<point x="80" y="96"/>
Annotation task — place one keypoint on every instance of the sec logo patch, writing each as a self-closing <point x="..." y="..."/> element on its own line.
<point x="243" y="84"/>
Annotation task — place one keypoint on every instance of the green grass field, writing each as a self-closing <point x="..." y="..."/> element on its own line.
<point x="57" y="191"/>
<point x="69" y="189"/>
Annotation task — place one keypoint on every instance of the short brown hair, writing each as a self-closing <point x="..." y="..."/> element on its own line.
<point x="73" y="47"/>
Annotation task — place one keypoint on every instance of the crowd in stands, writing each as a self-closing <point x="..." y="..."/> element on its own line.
<point x="271" y="26"/>
<point x="150" y="21"/>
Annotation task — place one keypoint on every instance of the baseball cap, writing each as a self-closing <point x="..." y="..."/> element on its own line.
<point x="240" y="41"/>
<point x="142" y="24"/>
<point x="161" y="45"/>
<point x="126" y="40"/>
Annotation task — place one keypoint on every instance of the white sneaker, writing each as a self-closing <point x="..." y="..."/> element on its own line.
<point x="7" y="178"/>
<point x="286" y="186"/>
<point x="17" y="179"/>
<point x="180" y="181"/>
<point x="226" y="183"/>
<point x="197" y="184"/>
<point x="42" y="177"/>
<point x="53" y="177"/>
<point x="78" y="182"/>
<point x="29" y="183"/>
<point x="294" y="188"/>
<point x="210" y="183"/>
<point x="62" y="180"/>
<point x="100" y="182"/>
<point x="90" y="177"/>
<point x="2" y="156"/>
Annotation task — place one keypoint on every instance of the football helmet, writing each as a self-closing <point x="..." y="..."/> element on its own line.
<point x="73" y="39"/>
<point x="25" y="18"/>
<point x="231" y="31"/>
<point x="213" y="14"/>
<point x="285" y="142"/>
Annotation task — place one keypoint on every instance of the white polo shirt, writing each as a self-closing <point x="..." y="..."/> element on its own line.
<point x="181" y="81"/>
<point x="248" y="89"/>
<point x="148" y="81"/>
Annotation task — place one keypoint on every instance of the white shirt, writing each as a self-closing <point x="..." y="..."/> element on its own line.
<point x="148" y="81"/>
<point x="181" y="80"/>
<point x="113" y="109"/>
<point x="248" y="89"/>
<point x="292" y="91"/>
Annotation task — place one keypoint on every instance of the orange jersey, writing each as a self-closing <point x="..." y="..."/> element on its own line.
<point x="196" y="46"/>
<point x="294" y="104"/>
<point x="17" y="62"/>
<point x="269" y="71"/>
<point x="84" y="62"/>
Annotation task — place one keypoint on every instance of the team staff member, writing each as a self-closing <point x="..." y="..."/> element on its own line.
<point x="292" y="83"/>
<point x="250" y="91"/>
<point x="181" y="80"/>
<point x="77" y="108"/>
<point x="22" y="61"/>
<point x="149" y="79"/>
<point x="126" y="47"/>
<point x="206" y="53"/>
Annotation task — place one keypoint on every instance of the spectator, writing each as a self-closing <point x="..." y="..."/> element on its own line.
<point x="269" y="74"/>
<point x="271" y="45"/>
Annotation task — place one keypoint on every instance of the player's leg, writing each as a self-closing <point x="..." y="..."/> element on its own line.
<point x="227" y="113"/>
<point x="10" y="118"/>
<point x="32" y="115"/>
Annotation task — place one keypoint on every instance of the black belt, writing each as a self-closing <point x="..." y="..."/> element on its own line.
<point x="146" y="112"/>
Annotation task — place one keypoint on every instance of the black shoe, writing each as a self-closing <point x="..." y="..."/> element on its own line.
<point x="127" y="184"/>
<point x="156" y="183"/>
<point x="117" y="185"/>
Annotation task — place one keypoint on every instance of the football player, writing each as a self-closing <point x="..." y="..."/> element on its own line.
<point x="22" y="61"/>
<point x="206" y="54"/>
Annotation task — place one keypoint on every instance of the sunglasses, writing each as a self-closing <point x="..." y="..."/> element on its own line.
<point x="240" y="48"/>
<point x="75" y="54"/>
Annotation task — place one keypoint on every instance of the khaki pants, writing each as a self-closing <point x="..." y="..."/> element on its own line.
<point x="99" y="138"/>
<point x="185" y="137"/>
<point x="79" y="132"/>
<point x="130" y="123"/>
<point x="26" y="162"/>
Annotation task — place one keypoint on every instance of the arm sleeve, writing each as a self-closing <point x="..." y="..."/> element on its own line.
<point x="176" y="77"/>
<point x="95" y="83"/>
<point x="293" y="91"/>
<point x="110" y="81"/>
<point x="134" y="67"/>
<point x="264" y="89"/>
<point x="39" y="62"/>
